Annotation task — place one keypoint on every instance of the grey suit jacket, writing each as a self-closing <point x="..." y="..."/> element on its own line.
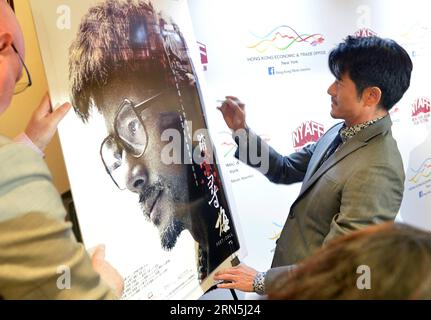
<point x="359" y="185"/>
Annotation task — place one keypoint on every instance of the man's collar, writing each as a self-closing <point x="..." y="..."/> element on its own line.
<point x="347" y="133"/>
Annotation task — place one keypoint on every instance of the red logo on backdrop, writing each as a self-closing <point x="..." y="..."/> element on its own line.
<point x="307" y="132"/>
<point x="421" y="110"/>
<point x="204" y="55"/>
<point x="365" y="32"/>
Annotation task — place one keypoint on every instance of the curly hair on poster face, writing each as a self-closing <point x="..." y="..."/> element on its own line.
<point x="398" y="257"/>
<point x="115" y="37"/>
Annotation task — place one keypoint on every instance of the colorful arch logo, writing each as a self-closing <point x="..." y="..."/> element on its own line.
<point x="283" y="37"/>
<point x="277" y="233"/>
<point x="423" y="172"/>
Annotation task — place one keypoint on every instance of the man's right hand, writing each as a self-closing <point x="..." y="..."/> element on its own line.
<point x="233" y="111"/>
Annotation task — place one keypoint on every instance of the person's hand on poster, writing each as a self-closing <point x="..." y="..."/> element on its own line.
<point x="240" y="277"/>
<point x="106" y="271"/>
<point x="233" y="111"/>
<point x="43" y="124"/>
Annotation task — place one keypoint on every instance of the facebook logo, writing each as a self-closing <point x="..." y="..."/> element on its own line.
<point x="271" y="71"/>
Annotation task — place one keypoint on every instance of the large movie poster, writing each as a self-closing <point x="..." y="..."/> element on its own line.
<point x="140" y="160"/>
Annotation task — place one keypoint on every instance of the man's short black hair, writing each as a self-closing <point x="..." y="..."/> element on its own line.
<point x="373" y="62"/>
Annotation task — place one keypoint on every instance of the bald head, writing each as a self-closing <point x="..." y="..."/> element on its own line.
<point x="9" y="25"/>
<point x="6" y="14"/>
<point x="10" y="65"/>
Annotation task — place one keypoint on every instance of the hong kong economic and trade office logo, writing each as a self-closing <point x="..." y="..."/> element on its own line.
<point x="284" y="37"/>
<point x="307" y="132"/>
<point x="421" y="110"/>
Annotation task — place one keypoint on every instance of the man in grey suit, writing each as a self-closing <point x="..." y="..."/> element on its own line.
<point x="353" y="176"/>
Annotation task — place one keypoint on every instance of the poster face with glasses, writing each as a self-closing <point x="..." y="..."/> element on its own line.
<point x="139" y="156"/>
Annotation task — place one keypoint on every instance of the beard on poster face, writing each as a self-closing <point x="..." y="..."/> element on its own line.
<point x="170" y="233"/>
<point x="165" y="205"/>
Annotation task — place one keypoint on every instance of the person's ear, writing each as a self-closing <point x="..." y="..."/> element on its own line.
<point x="5" y="40"/>
<point x="372" y="96"/>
